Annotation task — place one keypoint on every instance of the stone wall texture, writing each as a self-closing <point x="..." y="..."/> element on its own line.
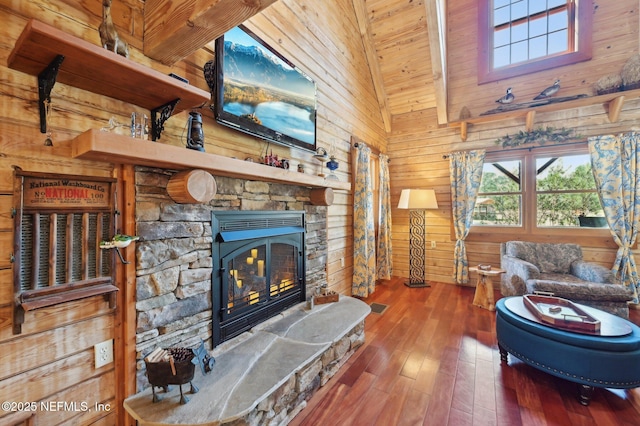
<point x="283" y="404"/>
<point x="173" y="256"/>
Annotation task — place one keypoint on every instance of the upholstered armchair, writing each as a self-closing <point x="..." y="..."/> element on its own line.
<point x="560" y="270"/>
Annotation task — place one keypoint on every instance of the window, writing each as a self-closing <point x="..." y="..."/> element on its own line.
<point x="522" y="36"/>
<point x="548" y="192"/>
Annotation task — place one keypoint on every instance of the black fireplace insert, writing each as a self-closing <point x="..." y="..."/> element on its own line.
<point x="258" y="268"/>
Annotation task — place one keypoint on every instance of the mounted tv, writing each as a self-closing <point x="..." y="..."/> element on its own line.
<point x="261" y="93"/>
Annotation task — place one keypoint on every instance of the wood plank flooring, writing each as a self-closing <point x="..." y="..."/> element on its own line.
<point x="432" y="359"/>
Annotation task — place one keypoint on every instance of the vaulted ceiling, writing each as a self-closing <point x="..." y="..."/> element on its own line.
<point x="405" y="37"/>
<point x="403" y="40"/>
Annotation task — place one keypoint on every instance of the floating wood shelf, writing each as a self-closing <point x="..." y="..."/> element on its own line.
<point x="111" y="148"/>
<point x="613" y="103"/>
<point x="90" y="67"/>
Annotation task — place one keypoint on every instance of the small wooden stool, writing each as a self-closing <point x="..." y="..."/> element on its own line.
<point x="484" y="287"/>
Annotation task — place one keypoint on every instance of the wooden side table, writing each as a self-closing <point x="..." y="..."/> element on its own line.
<point x="484" y="287"/>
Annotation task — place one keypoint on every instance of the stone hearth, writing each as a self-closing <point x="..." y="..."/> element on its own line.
<point x="265" y="376"/>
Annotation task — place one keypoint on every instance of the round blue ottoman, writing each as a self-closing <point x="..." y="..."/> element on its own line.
<point x="589" y="360"/>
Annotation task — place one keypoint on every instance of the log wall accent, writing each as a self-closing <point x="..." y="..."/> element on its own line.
<point x="322" y="39"/>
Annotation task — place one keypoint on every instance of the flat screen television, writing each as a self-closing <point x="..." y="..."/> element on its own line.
<point x="259" y="92"/>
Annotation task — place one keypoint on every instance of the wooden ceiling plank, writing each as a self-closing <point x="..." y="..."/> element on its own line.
<point x="174" y="30"/>
<point x="376" y="75"/>
<point x="437" y="42"/>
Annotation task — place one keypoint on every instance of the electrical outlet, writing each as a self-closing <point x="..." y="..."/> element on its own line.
<point x="342" y="262"/>
<point x="433" y="244"/>
<point x="103" y="353"/>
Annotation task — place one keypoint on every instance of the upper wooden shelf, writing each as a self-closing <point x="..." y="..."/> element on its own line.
<point x="613" y="103"/>
<point x="112" y="148"/>
<point x="93" y="68"/>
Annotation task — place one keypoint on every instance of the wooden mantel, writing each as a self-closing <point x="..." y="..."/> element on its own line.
<point x="112" y="148"/>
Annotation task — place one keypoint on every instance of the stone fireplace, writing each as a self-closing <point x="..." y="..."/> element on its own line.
<point x="175" y="297"/>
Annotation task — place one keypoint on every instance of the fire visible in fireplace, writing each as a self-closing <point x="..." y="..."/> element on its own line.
<point x="258" y="261"/>
<point x="247" y="279"/>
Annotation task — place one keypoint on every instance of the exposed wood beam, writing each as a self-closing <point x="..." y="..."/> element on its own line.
<point x="175" y="29"/>
<point x="437" y="45"/>
<point x="372" y="58"/>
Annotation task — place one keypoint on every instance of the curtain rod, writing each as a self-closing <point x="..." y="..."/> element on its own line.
<point x="530" y="148"/>
<point x="375" y="151"/>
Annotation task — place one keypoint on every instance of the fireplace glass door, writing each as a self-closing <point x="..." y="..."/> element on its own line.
<point x="259" y="273"/>
<point x="258" y="268"/>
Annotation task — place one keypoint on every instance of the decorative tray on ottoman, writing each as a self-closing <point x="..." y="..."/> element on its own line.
<point x="561" y="313"/>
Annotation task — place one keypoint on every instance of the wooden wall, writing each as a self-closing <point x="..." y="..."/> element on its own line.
<point x="53" y="358"/>
<point x="417" y="144"/>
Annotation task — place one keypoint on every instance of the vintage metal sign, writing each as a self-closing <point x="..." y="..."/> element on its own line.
<point x="65" y="192"/>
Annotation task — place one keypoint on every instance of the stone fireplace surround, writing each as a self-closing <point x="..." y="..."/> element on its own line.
<point x="173" y="256"/>
<point x="173" y="286"/>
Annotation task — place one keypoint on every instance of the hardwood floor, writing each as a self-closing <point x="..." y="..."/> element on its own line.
<point x="431" y="358"/>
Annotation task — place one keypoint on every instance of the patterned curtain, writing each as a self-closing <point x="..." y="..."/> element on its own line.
<point x="384" y="252"/>
<point x="465" y="170"/>
<point x="615" y="161"/>
<point x="364" y="251"/>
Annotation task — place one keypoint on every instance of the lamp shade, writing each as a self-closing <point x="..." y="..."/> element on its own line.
<point x="418" y="199"/>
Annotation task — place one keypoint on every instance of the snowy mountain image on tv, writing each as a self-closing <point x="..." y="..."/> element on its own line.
<point x="262" y="88"/>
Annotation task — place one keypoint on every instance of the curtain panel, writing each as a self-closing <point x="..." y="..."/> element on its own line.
<point x="364" y="241"/>
<point x="384" y="250"/>
<point x="615" y="161"/>
<point x="465" y="174"/>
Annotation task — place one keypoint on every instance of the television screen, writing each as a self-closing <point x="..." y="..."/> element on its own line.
<point x="261" y="93"/>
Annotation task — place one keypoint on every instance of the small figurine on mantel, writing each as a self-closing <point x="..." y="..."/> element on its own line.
<point x="108" y="34"/>
<point x="507" y="98"/>
<point x="549" y="91"/>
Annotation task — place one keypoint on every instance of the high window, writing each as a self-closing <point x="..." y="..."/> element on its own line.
<point x="544" y="192"/>
<point x="522" y="36"/>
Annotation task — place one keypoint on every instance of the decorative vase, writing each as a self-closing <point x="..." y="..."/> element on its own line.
<point x="332" y="165"/>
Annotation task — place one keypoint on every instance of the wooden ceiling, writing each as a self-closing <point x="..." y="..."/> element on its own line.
<point x="400" y="33"/>
<point x="403" y="41"/>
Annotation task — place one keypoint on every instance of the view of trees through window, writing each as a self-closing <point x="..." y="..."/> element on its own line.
<point x="564" y="193"/>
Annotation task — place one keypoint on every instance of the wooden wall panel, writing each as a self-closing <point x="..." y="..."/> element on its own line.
<point x="417" y="144"/>
<point x="323" y="39"/>
<point x="6" y="286"/>
<point x="615" y="40"/>
<point x="420" y="163"/>
<point x="47" y="346"/>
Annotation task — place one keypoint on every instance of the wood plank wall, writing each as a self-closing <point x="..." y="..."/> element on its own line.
<point x="53" y="358"/>
<point x="417" y="144"/>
